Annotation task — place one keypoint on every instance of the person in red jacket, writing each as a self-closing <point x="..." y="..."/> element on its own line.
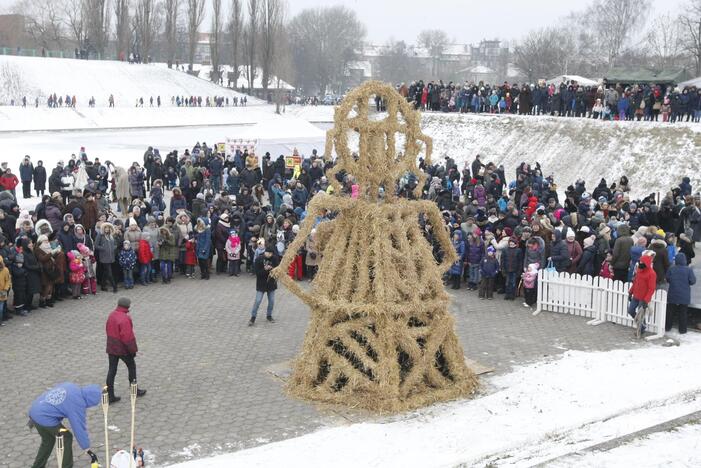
<point x="121" y="344"/>
<point x="144" y="256"/>
<point x="8" y="181"/>
<point x="644" y="284"/>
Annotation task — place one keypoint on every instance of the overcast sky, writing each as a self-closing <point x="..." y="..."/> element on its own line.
<point x="465" y="21"/>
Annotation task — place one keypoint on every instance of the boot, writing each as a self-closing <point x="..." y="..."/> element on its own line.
<point x="252" y="322"/>
<point x="114" y="399"/>
<point x="50" y="303"/>
<point x="42" y="304"/>
<point x="140" y="392"/>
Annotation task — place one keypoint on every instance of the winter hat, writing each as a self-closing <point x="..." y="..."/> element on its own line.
<point x="570" y="234"/>
<point x="491" y="251"/>
<point x="585" y="229"/>
<point x="124" y="302"/>
<point x="224" y="217"/>
<point x="508" y="231"/>
<point x="589" y="241"/>
<point x="295" y="228"/>
<point x="126" y="243"/>
<point x="83" y="249"/>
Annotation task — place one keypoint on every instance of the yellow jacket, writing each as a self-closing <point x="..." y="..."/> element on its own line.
<point x="5" y="282"/>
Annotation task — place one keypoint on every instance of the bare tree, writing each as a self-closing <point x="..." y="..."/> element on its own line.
<point x="215" y="40"/>
<point x="323" y="41"/>
<point x="170" y="10"/>
<point x="250" y="35"/>
<point x="395" y="64"/>
<point x="663" y="41"/>
<point x="690" y="34"/>
<point x="272" y="19"/>
<point x="545" y="53"/>
<point x="147" y="23"/>
<point x="235" y="34"/>
<point x="122" y="30"/>
<point x="75" y="18"/>
<point x="44" y="22"/>
<point x="433" y="40"/>
<point x="282" y="67"/>
<point x="97" y="14"/>
<point x="614" y="22"/>
<point x="195" y="15"/>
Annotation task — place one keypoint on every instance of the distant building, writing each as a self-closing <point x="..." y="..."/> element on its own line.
<point x="488" y="61"/>
<point x="203" y="54"/>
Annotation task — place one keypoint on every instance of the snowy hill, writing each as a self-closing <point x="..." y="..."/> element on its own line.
<point x="654" y="156"/>
<point x="39" y="77"/>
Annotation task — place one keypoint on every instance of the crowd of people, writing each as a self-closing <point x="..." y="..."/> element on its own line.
<point x="57" y="101"/>
<point x="202" y="211"/>
<point x="649" y="102"/>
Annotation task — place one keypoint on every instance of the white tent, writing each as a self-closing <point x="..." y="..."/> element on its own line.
<point x="693" y="82"/>
<point x="281" y="135"/>
<point x="567" y="78"/>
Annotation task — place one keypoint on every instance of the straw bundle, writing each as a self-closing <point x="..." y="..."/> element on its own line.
<point x="380" y="336"/>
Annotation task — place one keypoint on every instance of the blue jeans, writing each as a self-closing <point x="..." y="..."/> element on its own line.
<point x="632" y="308"/>
<point x="145" y="272"/>
<point x="259" y="299"/>
<point x="128" y="277"/>
<point x="3" y="309"/>
<point x="474" y="274"/>
<point x="510" y="288"/>
<point x="166" y="269"/>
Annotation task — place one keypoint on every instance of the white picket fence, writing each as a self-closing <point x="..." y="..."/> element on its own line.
<point x="600" y="299"/>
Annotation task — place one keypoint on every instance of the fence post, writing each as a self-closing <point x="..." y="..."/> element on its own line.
<point x="539" y="300"/>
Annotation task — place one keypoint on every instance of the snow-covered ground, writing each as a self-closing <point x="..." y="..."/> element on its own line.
<point x="32" y="119"/>
<point x="678" y="448"/>
<point x="535" y="414"/>
<point x="654" y="155"/>
<point x="40" y="77"/>
<point x="204" y="72"/>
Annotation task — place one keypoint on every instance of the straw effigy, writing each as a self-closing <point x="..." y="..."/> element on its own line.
<point x="380" y="335"/>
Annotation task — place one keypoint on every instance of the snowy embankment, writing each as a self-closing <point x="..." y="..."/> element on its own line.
<point x="40" y="77"/>
<point x="654" y="155"/>
<point x="18" y="119"/>
<point x="537" y="413"/>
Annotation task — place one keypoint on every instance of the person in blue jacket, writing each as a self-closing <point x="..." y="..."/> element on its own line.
<point x="680" y="278"/>
<point x="65" y="400"/>
<point x="203" y="239"/>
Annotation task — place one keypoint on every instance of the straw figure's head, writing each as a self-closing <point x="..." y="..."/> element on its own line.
<point x="379" y="164"/>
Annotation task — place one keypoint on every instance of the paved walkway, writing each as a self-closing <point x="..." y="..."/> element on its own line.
<point x="208" y="388"/>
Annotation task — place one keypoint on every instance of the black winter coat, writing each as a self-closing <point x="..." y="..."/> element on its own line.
<point x="31" y="264"/>
<point x="40" y="178"/>
<point x="265" y="282"/>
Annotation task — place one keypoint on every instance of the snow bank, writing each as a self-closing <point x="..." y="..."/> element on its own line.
<point x="40" y="77"/>
<point x="534" y="405"/>
<point x="654" y="156"/>
<point x="678" y="448"/>
<point x="65" y="118"/>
